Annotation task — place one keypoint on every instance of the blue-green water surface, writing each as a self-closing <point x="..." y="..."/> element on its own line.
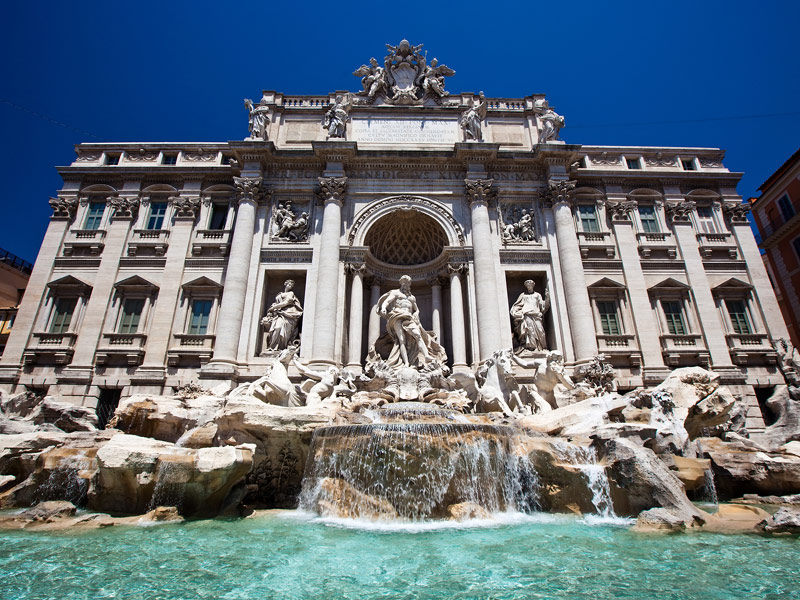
<point x="289" y="555"/>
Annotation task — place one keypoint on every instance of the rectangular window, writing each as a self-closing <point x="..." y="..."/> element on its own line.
<point x="219" y="216"/>
<point x="156" y="218"/>
<point x="705" y="220"/>
<point x="588" y="219"/>
<point x="169" y="159"/>
<point x="131" y="315"/>
<point x="738" y="313"/>
<point x="676" y="325"/>
<point x="198" y="324"/>
<point x="688" y="164"/>
<point x="787" y="210"/>
<point x="62" y="315"/>
<point x="633" y="163"/>
<point x="609" y="321"/>
<point x="796" y="244"/>
<point x="647" y="214"/>
<point x="112" y="159"/>
<point x="95" y="215"/>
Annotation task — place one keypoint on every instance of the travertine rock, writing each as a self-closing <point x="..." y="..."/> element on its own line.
<point x="48" y="511"/>
<point x="465" y="511"/>
<point x="711" y="411"/>
<point x="340" y="499"/>
<point x="691" y="471"/>
<point x="26" y="412"/>
<point x="164" y="418"/>
<point x="786" y="520"/>
<point x="666" y="520"/>
<point x="785" y="406"/>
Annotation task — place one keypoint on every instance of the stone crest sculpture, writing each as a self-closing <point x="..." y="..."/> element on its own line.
<point x="282" y="320"/>
<point x="404" y="78"/>
<point x="528" y="313"/>
<point x="550" y="122"/>
<point x="288" y="225"/>
<point x="338" y="115"/>
<point x="472" y="119"/>
<point x="259" y="119"/>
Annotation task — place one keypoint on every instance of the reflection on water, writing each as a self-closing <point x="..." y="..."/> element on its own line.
<point x="289" y="554"/>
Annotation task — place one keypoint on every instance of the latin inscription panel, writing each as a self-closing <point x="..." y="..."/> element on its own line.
<point x="403" y="131"/>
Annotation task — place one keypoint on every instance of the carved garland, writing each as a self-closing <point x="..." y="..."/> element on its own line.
<point x="678" y="212"/>
<point x="405" y="201"/>
<point x="620" y="211"/>
<point x="63" y="207"/>
<point x="124" y="207"/>
<point x="185" y="207"/>
<point x="737" y="213"/>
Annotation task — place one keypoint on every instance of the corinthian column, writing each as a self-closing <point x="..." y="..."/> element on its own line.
<point x="479" y="192"/>
<point x="332" y="192"/>
<point x="581" y="322"/>
<point x="231" y="311"/>
<point x="457" y="317"/>
<point x="356" y="315"/>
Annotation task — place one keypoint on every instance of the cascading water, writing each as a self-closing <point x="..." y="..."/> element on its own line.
<point x="710" y="488"/>
<point x="170" y="485"/>
<point x="585" y="459"/>
<point x="415" y="466"/>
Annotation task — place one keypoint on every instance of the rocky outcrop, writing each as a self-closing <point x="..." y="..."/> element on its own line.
<point x="692" y="471"/>
<point x="740" y="469"/>
<point x="784" y="404"/>
<point x="337" y="498"/>
<point x="25" y="413"/>
<point x="165" y="418"/>
<point x="135" y="474"/>
<point x="466" y="511"/>
<point x="786" y="520"/>
<point x="667" y="520"/>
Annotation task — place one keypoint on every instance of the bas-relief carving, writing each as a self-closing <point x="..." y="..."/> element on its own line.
<point x="282" y="320"/>
<point x="289" y="225"/>
<point x="88" y="157"/>
<point x="337" y="116"/>
<point x="200" y="156"/>
<point x="405" y="77"/>
<point x="605" y="159"/>
<point x="472" y="118"/>
<point x="258" y="121"/>
<point x="517" y="224"/>
<point x="527" y="313"/>
<point x="140" y="156"/>
<point x="661" y="161"/>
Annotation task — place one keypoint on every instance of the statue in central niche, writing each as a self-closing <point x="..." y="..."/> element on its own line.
<point x="412" y="346"/>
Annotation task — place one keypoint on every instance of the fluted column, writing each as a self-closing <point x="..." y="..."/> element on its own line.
<point x="581" y="322"/>
<point x="436" y="308"/>
<point x="457" y="334"/>
<point x="356" y="315"/>
<point x="479" y="192"/>
<point x="231" y="311"/>
<point x="374" y="330"/>
<point x="332" y="192"/>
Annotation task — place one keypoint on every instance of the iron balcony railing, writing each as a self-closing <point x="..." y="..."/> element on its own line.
<point x="12" y="260"/>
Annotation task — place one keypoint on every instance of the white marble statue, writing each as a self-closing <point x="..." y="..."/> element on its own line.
<point x="288" y="225"/>
<point x="412" y="346"/>
<point x="528" y="313"/>
<point x="337" y="116"/>
<point x="550" y="122"/>
<point x="472" y="118"/>
<point x="551" y="384"/>
<point x="373" y="79"/>
<point x="258" y="120"/>
<point x="321" y="387"/>
<point x="432" y="78"/>
<point x="282" y="319"/>
<point x="276" y="387"/>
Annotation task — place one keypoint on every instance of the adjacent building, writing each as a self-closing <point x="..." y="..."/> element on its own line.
<point x="777" y="215"/>
<point x="14" y="274"/>
<point x="161" y="260"/>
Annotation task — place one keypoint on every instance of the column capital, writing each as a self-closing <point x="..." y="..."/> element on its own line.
<point x="456" y="269"/>
<point x="124" y="207"/>
<point x="333" y="189"/>
<point x="678" y="212"/>
<point x="480" y="191"/>
<point x="63" y="208"/>
<point x="559" y="191"/>
<point x="620" y="211"/>
<point x="736" y="213"/>
<point x="356" y="268"/>
<point x="185" y="207"/>
<point x="251" y="189"/>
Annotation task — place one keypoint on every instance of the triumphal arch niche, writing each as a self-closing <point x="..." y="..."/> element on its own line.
<point x="333" y="217"/>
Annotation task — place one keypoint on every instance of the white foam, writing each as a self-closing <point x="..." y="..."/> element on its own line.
<point x="595" y="520"/>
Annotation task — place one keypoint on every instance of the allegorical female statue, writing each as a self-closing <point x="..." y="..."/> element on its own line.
<point x="528" y="313"/>
<point x="282" y="319"/>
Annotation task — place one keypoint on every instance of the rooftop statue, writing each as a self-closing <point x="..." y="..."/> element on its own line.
<point x="259" y="119"/>
<point x="338" y="115"/>
<point x="472" y="119"/>
<point x="550" y="122"/>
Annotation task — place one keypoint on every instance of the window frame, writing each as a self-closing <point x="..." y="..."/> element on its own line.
<point x="92" y="221"/>
<point x="655" y="221"/>
<point x="126" y="328"/>
<point x="786" y="207"/>
<point x="151" y="216"/>
<point x="581" y="221"/>
<point x="701" y="221"/>
<point x="633" y="160"/>
<point x="53" y="325"/>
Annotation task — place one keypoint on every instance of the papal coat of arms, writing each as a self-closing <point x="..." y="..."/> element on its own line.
<point x="406" y="77"/>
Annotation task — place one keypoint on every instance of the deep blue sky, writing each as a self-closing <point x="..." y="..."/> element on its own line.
<point x="630" y="73"/>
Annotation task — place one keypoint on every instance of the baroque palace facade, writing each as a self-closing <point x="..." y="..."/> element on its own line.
<point x="164" y="263"/>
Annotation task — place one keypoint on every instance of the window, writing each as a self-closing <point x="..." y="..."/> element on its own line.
<point x="647" y="215"/>
<point x="796" y="244"/>
<point x="169" y="159"/>
<point x="688" y="164"/>
<point x="198" y="323"/>
<point x="673" y="312"/>
<point x="94" y="216"/>
<point x="633" y="163"/>
<point x="131" y="315"/>
<point x="705" y="219"/>
<point x="226" y="159"/>
<point x="787" y="210"/>
<point x="587" y="216"/>
<point x="62" y="315"/>
<point x="219" y="216"/>
<point x="609" y="320"/>
<point x="112" y="159"/>
<point x="738" y="313"/>
<point x="156" y="218"/>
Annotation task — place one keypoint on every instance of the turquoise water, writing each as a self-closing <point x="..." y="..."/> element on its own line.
<point x="290" y="555"/>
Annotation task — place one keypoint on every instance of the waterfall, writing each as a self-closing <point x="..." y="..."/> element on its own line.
<point x="416" y="470"/>
<point x="710" y="488"/>
<point x="64" y="480"/>
<point x="585" y="459"/>
<point x="170" y="486"/>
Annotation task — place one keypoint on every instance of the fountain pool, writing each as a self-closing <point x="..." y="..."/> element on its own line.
<point x="294" y="555"/>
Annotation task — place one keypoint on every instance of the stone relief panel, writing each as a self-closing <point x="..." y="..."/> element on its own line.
<point x="517" y="223"/>
<point x="290" y="219"/>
